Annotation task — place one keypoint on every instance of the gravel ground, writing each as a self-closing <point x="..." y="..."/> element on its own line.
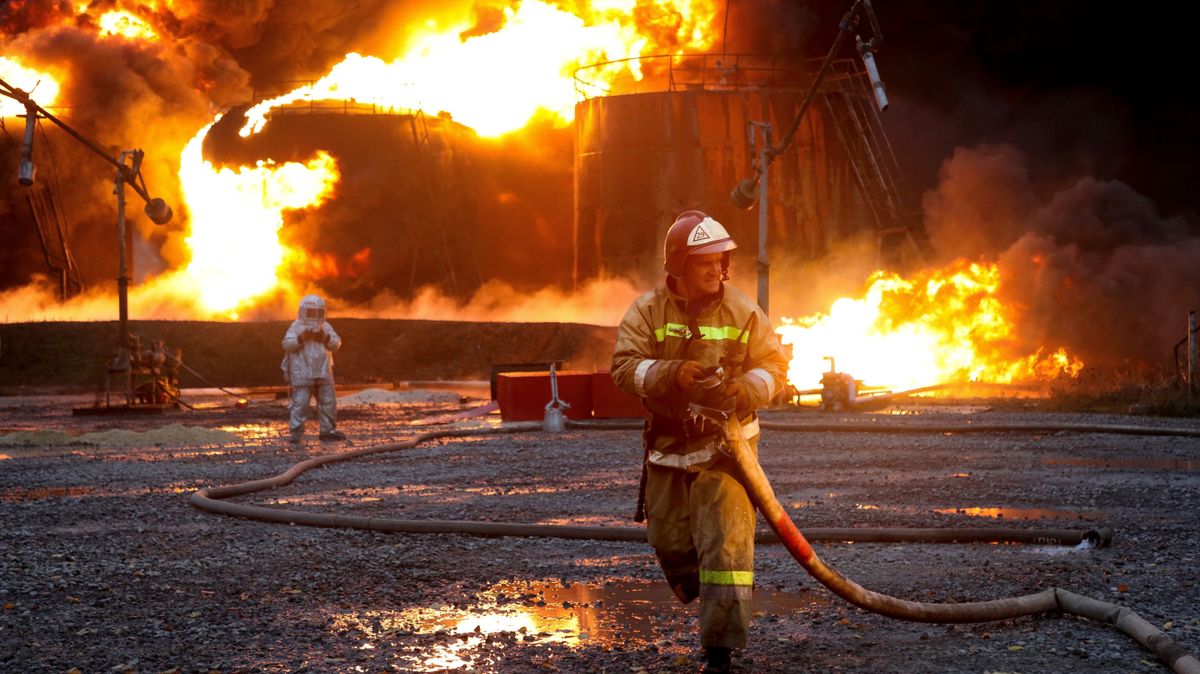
<point x="106" y="567"/>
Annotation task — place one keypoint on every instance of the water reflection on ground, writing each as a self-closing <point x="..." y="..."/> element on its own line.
<point x="1024" y="513"/>
<point x="1000" y="513"/>
<point x="261" y="432"/>
<point x="620" y="612"/>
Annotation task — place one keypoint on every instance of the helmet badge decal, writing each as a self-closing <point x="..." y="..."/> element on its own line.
<point x="705" y="231"/>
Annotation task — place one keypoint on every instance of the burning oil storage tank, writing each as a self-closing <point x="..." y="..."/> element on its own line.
<point x="421" y="201"/>
<point x="679" y="137"/>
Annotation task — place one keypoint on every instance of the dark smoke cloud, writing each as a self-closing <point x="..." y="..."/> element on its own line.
<point x="1093" y="266"/>
<point x="282" y="41"/>
<point x="19" y="16"/>
<point x="983" y="203"/>
<point x="775" y="27"/>
<point x="124" y="95"/>
<point x="1081" y="88"/>
<point x="296" y="39"/>
<point x="152" y="95"/>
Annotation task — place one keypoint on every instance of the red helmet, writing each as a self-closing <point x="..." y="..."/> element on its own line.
<point x="694" y="233"/>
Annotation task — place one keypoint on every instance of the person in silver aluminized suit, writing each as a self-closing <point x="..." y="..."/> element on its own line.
<point x="307" y="365"/>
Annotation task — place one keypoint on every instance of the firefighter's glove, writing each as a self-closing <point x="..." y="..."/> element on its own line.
<point x="739" y="394"/>
<point x="687" y="374"/>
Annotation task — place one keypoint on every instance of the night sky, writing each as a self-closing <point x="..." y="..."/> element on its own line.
<point x="1080" y="88"/>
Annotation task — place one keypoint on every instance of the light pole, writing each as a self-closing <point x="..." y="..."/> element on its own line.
<point x="763" y="168"/>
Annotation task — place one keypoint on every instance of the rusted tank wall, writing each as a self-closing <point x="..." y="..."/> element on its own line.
<point x="642" y="158"/>
<point x="430" y="202"/>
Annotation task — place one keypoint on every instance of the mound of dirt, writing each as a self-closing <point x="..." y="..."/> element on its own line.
<point x="377" y="396"/>
<point x="172" y="434"/>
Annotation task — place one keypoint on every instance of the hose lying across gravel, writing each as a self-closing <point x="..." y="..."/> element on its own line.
<point x="1047" y="601"/>
<point x="797" y="543"/>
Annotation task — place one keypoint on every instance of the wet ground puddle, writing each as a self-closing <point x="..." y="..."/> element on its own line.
<point x="1023" y="513"/>
<point x="999" y="513"/>
<point x="616" y="613"/>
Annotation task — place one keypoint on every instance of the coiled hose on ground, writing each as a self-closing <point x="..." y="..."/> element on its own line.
<point x="759" y="488"/>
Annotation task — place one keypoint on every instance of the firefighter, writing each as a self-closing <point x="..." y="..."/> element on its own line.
<point x="696" y="339"/>
<point x="307" y="365"/>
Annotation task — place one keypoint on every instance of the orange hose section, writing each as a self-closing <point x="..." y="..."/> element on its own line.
<point x="1046" y="601"/>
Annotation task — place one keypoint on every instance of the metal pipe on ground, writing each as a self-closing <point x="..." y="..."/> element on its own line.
<point x="926" y="428"/>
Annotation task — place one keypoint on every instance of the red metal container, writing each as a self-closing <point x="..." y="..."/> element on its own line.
<point x="610" y="402"/>
<point x="523" y="395"/>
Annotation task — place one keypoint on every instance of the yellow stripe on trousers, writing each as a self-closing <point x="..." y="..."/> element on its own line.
<point x="708" y="577"/>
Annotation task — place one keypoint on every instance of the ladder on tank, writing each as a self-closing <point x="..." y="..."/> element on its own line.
<point x="442" y="216"/>
<point x="53" y="234"/>
<point x="849" y="102"/>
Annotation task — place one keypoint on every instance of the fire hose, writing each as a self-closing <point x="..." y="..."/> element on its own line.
<point x="1046" y="601"/>
<point x="761" y="494"/>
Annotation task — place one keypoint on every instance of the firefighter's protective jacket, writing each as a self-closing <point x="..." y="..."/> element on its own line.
<point x="657" y="335"/>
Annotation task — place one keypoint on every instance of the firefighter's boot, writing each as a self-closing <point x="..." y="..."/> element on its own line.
<point x="717" y="660"/>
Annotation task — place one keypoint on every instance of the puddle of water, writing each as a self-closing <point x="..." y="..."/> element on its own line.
<point x="546" y="612"/>
<point x="1153" y="463"/>
<point x="1059" y="550"/>
<point x="995" y="513"/>
<point x="503" y="490"/>
<point x="27" y="494"/>
<point x="586" y="520"/>
<point x="917" y="410"/>
<point x="254" y="431"/>
<point x="1024" y="513"/>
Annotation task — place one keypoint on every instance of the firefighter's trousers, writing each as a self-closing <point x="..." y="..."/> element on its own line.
<point x="701" y="525"/>
<point x="326" y="405"/>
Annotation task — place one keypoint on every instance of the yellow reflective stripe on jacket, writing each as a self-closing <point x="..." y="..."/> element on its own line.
<point x="708" y="577"/>
<point x="706" y="332"/>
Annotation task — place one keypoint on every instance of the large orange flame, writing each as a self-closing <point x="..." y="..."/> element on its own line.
<point x="494" y="78"/>
<point x="939" y="326"/>
<point x="235" y="220"/>
<point x="42" y="86"/>
<point x="125" y="24"/>
<point x="496" y="82"/>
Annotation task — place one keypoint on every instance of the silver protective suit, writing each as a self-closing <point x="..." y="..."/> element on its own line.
<point x="307" y="365"/>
